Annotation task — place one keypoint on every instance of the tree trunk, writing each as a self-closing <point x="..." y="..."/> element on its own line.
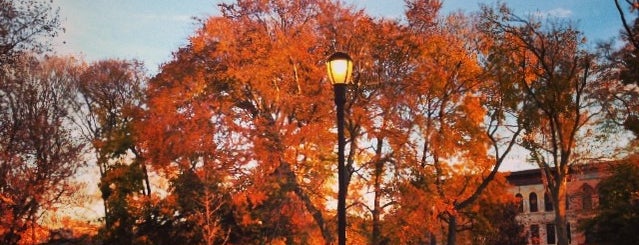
<point x="379" y="169"/>
<point x="376" y="211"/>
<point x="561" y="220"/>
<point x="285" y="169"/>
<point x="141" y="160"/>
<point x="146" y="179"/>
<point x="452" y="230"/>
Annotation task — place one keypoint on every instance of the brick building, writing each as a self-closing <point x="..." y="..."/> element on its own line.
<point x="536" y="209"/>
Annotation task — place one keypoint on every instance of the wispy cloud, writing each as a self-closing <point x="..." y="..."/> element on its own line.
<point x="554" y="13"/>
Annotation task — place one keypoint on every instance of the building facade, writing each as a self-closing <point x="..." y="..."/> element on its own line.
<point x="537" y="212"/>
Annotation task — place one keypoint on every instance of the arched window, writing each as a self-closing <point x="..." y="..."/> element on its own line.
<point x="533" y="202"/>
<point x="520" y="202"/>
<point x="548" y="202"/>
<point x="586" y="197"/>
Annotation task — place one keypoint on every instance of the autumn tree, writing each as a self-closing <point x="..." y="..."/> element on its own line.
<point x="38" y="153"/>
<point x="559" y="79"/>
<point x="109" y="99"/>
<point x="247" y="100"/>
<point x="464" y="137"/>
<point x="188" y="145"/>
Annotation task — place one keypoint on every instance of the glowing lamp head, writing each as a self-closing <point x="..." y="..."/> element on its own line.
<point x="339" y="66"/>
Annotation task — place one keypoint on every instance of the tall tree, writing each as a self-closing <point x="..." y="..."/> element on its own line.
<point x="109" y="100"/>
<point x="33" y="100"/>
<point x="38" y="154"/>
<point x="464" y="135"/>
<point x="560" y="80"/>
<point x="190" y="141"/>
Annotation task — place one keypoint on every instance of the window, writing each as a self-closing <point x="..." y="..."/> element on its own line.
<point x="548" y="202"/>
<point x="520" y="202"/>
<point x="534" y="234"/>
<point x="533" y="202"/>
<point x="550" y="233"/>
<point x="586" y="197"/>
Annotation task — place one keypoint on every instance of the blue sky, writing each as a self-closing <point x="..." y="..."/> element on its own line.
<point x="150" y="30"/>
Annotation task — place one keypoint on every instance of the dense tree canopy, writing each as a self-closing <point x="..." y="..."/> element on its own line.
<point x="233" y="141"/>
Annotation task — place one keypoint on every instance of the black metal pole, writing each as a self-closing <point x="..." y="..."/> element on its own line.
<point x="340" y="100"/>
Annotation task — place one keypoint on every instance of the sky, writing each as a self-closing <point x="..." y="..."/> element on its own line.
<point x="150" y="30"/>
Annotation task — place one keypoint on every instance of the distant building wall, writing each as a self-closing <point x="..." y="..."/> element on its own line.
<point x="537" y="214"/>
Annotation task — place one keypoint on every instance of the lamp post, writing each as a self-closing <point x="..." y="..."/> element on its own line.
<point x="340" y="66"/>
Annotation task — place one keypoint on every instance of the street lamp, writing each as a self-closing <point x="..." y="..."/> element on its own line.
<point x="340" y="67"/>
